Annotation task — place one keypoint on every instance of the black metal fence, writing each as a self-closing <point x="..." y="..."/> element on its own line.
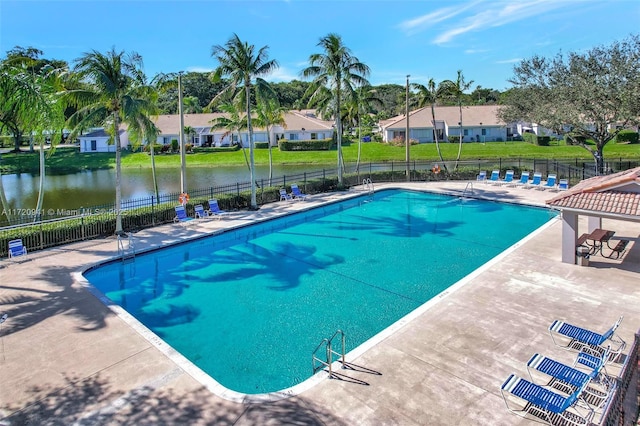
<point x="616" y="412"/>
<point x="86" y="223"/>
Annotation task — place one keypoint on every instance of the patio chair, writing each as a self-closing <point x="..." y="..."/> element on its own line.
<point x="544" y="404"/>
<point x="508" y="178"/>
<point x="567" y="379"/>
<point x="214" y="209"/>
<point x="495" y="177"/>
<point x="181" y="215"/>
<point x="583" y="340"/>
<point x="284" y="196"/>
<point x="524" y="179"/>
<point x="563" y="184"/>
<point x="536" y="181"/>
<point x="296" y="194"/>
<point x="201" y="213"/>
<point x="17" y="249"/>
<point x="550" y="183"/>
<point x="482" y="176"/>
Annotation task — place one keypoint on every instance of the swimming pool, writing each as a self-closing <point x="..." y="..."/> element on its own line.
<point x="249" y="306"/>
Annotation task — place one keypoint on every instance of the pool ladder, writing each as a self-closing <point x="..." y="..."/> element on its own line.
<point x="126" y="248"/>
<point x="318" y="363"/>
<point x="367" y="185"/>
<point x="468" y="189"/>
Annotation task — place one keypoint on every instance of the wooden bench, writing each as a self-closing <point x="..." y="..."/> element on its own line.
<point x="619" y="249"/>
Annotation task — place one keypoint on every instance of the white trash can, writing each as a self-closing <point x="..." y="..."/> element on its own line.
<point x="582" y="256"/>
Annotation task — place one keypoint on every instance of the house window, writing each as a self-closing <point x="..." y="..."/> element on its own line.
<point x="466" y="132"/>
<point x="165" y="140"/>
<point x="293" y="136"/>
<point x="484" y="132"/>
<point x="94" y="145"/>
<point x="314" y="136"/>
<point x="398" y="134"/>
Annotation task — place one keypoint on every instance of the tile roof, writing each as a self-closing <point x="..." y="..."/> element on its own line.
<point x="616" y="194"/>
<point x="471" y="116"/>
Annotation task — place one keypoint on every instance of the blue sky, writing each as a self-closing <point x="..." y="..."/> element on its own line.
<point x="425" y="39"/>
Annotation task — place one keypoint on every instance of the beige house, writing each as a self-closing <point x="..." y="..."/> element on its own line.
<point x="479" y="124"/>
<point x="299" y="125"/>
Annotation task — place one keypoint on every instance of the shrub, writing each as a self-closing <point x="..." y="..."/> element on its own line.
<point x="529" y="137"/>
<point x="216" y="148"/>
<point x="175" y="145"/>
<point x="627" y="136"/>
<point x="454" y="139"/>
<point x="308" y="145"/>
<point x="542" y="140"/>
<point x="261" y="145"/>
<point x="165" y="148"/>
<point x="156" y="148"/>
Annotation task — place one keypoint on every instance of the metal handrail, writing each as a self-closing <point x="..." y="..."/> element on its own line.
<point x="328" y="344"/>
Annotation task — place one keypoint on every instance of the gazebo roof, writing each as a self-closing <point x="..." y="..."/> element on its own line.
<point x="616" y="195"/>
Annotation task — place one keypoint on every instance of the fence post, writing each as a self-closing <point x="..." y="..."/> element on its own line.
<point x="153" y="210"/>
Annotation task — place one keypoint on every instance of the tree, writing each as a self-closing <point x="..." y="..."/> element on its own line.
<point x="269" y="114"/>
<point x="232" y="121"/>
<point x="430" y="94"/>
<point x="243" y="65"/>
<point x="339" y="72"/>
<point x="361" y="104"/>
<point x="116" y="93"/>
<point x="455" y="90"/>
<point x="590" y="96"/>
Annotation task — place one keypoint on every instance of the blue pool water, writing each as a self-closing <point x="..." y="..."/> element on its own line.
<point x="249" y="306"/>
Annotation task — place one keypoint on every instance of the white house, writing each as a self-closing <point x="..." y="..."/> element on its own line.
<point x="479" y="124"/>
<point x="98" y="141"/>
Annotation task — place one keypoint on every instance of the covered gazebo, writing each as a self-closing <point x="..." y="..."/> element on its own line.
<point x="615" y="196"/>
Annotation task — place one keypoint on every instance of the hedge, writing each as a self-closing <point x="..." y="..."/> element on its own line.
<point x="308" y="145"/>
<point x="216" y="148"/>
<point x="627" y="136"/>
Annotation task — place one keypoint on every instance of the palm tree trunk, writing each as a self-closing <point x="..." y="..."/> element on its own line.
<point x="359" y="143"/>
<point x="460" y="143"/>
<point x="270" y="154"/>
<point x="118" y="204"/>
<point x="153" y="172"/>
<point x="339" y="137"/>
<point x="254" y="203"/>
<point x="435" y="135"/>
<point x="41" y="184"/>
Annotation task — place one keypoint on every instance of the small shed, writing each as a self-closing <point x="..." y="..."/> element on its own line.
<point x="615" y="196"/>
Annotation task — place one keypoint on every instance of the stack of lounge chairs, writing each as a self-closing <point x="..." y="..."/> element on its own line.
<point x="561" y="394"/>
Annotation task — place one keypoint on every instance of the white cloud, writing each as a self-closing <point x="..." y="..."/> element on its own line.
<point x="509" y="61"/>
<point x="415" y="25"/>
<point x="282" y="74"/>
<point x="200" y="69"/>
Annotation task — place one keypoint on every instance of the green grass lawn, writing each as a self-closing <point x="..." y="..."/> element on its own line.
<point x="66" y="160"/>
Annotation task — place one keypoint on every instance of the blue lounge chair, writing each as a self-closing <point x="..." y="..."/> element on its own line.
<point x="583" y="340"/>
<point x="181" y="215"/>
<point x="524" y="179"/>
<point x="546" y="405"/>
<point x="563" y="184"/>
<point x="201" y="213"/>
<point x="536" y="181"/>
<point x="296" y="194"/>
<point x="482" y="176"/>
<point x="508" y="178"/>
<point x="495" y="177"/>
<point x="17" y="249"/>
<point x="214" y="209"/>
<point x="284" y="196"/>
<point x="550" y="183"/>
<point x="567" y="379"/>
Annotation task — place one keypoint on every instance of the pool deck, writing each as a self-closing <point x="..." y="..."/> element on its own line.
<point x="67" y="358"/>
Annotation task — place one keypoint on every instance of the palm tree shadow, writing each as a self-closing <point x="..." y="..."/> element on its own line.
<point x="92" y="400"/>
<point x="29" y="307"/>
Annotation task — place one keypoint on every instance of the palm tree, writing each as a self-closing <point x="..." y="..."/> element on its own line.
<point x="335" y="70"/>
<point x="191" y="105"/>
<point x="455" y="90"/>
<point x="232" y="121"/>
<point x="270" y="114"/>
<point x="430" y="94"/>
<point x="242" y="64"/>
<point x="361" y="103"/>
<point x="116" y="93"/>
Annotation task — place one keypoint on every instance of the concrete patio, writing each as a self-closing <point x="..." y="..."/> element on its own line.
<point x="67" y="358"/>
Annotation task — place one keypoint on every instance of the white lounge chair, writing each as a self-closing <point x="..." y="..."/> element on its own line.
<point x="17" y="249"/>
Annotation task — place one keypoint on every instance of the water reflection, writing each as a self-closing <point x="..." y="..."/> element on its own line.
<point x="91" y="188"/>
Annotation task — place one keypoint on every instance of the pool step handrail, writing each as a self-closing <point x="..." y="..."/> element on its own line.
<point x="126" y="248"/>
<point x="329" y="352"/>
<point x="367" y="184"/>
<point x="468" y="188"/>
